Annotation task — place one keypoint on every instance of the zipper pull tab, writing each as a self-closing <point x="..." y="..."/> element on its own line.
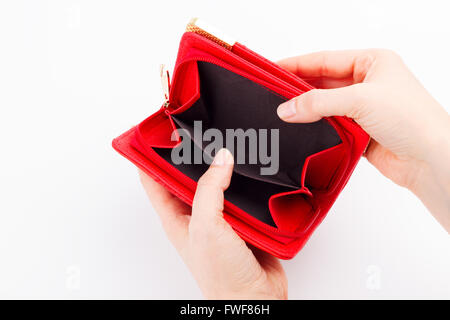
<point x="165" y="82"/>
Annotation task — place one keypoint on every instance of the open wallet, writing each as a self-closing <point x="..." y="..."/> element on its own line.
<point x="225" y="85"/>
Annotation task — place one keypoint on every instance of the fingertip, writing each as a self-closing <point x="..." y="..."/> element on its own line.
<point x="222" y="167"/>
<point x="287" y="110"/>
<point x="295" y="111"/>
<point x="223" y="158"/>
<point x="220" y="172"/>
<point x="284" y="63"/>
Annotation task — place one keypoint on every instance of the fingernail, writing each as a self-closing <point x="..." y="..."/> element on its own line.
<point x="287" y="109"/>
<point x="223" y="157"/>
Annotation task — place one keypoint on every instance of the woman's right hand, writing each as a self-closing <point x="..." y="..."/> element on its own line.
<point x="410" y="131"/>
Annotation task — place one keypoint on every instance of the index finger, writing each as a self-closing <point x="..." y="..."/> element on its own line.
<point x="330" y="64"/>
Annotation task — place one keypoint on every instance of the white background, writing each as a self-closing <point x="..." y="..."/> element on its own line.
<point x="74" y="220"/>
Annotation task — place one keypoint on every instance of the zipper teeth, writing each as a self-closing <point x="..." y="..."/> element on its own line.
<point x="191" y="27"/>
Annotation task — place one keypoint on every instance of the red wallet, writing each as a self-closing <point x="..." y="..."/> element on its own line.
<point x="226" y="85"/>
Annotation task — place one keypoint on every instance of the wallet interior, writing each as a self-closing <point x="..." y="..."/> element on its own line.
<point x="309" y="154"/>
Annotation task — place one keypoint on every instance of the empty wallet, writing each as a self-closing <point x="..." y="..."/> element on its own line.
<point x="227" y="86"/>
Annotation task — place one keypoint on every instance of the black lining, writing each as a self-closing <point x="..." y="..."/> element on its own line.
<point x="230" y="101"/>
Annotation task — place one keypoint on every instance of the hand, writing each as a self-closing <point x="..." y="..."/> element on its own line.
<point x="410" y="131"/>
<point x="220" y="261"/>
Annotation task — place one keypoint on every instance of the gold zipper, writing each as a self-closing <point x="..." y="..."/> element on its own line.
<point x="200" y="27"/>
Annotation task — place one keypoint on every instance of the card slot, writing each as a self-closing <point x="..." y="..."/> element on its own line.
<point x="157" y="130"/>
<point x="293" y="211"/>
<point x="321" y="169"/>
<point x="186" y="87"/>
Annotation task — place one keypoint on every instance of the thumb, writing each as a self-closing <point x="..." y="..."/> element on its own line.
<point x="208" y="199"/>
<point x="318" y="103"/>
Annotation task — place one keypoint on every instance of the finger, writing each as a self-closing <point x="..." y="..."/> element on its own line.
<point x="318" y="103"/>
<point x="267" y="261"/>
<point x="331" y="64"/>
<point x="389" y="164"/>
<point x="329" y="83"/>
<point x="172" y="212"/>
<point x="208" y="199"/>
